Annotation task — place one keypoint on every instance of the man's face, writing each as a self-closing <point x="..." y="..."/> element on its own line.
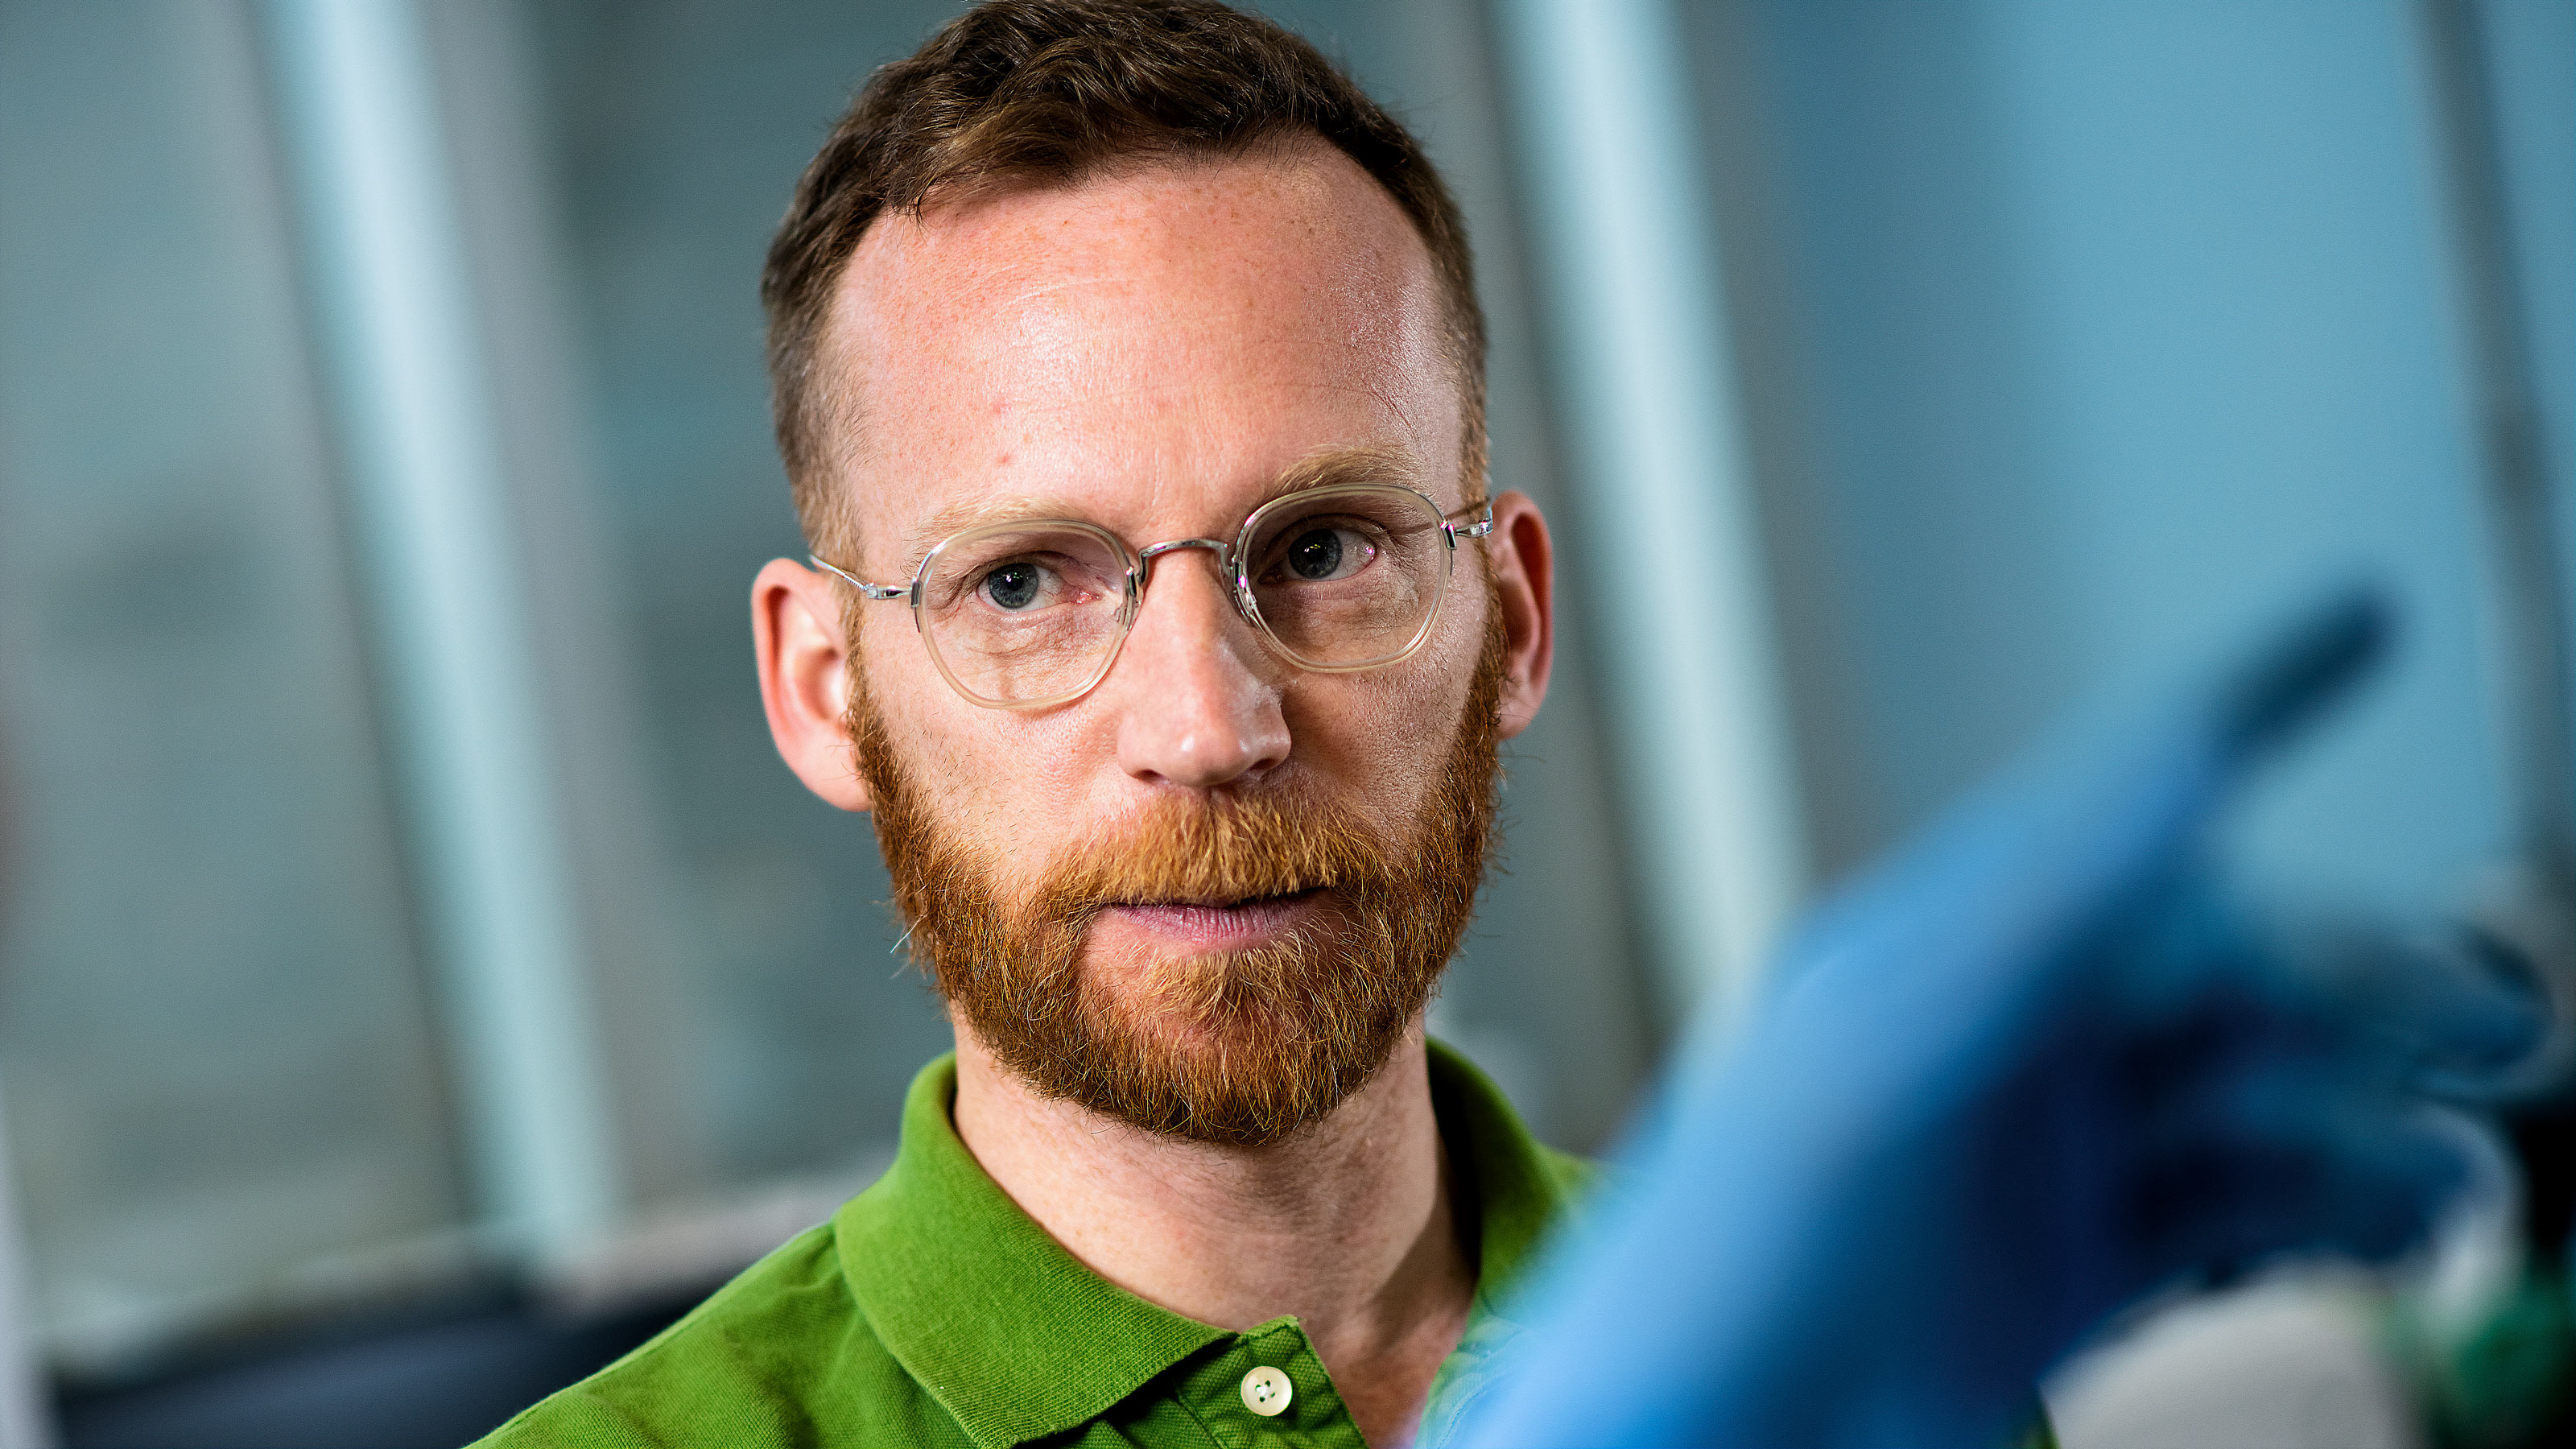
<point x="1155" y="352"/>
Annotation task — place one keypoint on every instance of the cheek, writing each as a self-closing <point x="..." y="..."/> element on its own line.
<point x="1378" y="739"/>
<point x="924" y="720"/>
<point x="1000" y="783"/>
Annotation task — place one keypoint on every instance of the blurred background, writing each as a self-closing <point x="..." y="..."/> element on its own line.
<point x="419" y="979"/>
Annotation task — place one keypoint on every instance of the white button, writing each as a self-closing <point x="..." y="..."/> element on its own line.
<point x="1266" y="1391"/>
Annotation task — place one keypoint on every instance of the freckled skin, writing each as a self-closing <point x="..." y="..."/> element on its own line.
<point x="1050" y="324"/>
<point x="1149" y="350"/>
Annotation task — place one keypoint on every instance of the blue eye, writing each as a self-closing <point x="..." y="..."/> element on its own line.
<point x="1013" y="585"/>
<point x="1316" y="554"/>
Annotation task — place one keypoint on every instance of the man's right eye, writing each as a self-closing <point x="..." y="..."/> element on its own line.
<point x="1013" y="585"/>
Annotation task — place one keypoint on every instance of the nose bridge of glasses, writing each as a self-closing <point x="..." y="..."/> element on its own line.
<point x="1220" y="551"/>
<point x="1223" y="550"/>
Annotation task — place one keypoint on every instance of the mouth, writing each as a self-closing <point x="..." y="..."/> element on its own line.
<point x="1216" y="925"/>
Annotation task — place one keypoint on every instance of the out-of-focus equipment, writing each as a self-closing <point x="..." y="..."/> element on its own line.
<point x="2529" y="579"/>
<point x="2036" y="1066"/>
<point x="2506" y="1377"/>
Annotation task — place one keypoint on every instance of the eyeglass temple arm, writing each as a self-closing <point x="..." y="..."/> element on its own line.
<point x="1483" y="525"/>
<point x="869" y="590"/>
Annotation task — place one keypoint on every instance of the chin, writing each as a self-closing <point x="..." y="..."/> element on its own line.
<point x="1201" y="1004"/>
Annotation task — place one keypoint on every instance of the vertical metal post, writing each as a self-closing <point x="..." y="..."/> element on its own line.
<point x="443" y="573"/>
<point x="1629" y="256"/>
<point x="2522" y="516"/>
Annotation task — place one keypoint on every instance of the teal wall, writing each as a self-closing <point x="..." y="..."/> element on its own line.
<point x="2090" y="332"/>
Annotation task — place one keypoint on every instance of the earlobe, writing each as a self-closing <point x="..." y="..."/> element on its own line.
<point x="799" y="651"/>
<point x="1524" y="564"/>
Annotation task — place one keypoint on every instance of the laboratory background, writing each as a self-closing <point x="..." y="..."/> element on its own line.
<point x="419" y="977"/>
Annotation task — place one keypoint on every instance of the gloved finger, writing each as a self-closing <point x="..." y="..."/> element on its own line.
<point x="2287" y="1149"/>
<point x="2276" y="690"/>
<point x="2420" y="1007"/>
<point x="2443" y="1010"/>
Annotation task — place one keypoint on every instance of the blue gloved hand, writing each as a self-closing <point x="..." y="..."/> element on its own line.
<point x="2009" y="1082"/>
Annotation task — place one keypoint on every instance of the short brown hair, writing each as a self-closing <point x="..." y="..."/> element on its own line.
<point x="1052" y="91"/>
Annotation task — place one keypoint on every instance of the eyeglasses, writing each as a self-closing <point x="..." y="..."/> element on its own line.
<point x="1027" y="614"/>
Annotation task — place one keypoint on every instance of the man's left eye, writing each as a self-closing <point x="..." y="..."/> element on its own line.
<point x="1317" y="555"/>
<point x="1014" y="586"/>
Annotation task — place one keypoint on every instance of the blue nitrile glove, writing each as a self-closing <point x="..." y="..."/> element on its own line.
<point x="2005" y="1084"/>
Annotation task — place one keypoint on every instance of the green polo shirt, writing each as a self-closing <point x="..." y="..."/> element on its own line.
<point x="930" y="1310"/>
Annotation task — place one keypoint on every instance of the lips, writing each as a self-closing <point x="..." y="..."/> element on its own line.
<point x="1211" y="925"/>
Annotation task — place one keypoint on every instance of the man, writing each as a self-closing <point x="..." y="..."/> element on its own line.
<point x="1128" y="373"/>
<point x="1127" y="370"/>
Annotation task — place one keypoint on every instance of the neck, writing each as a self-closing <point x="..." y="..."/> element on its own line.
<point x="1346" y="1225"/>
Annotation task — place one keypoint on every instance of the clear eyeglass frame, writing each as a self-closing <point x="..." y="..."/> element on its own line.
<point x="1232" y="559"/>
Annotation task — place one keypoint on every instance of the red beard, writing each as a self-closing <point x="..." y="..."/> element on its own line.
<point x="1241" y="1047"/>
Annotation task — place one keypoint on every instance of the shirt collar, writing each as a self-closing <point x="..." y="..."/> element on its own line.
<point x="1017" y="1340"/>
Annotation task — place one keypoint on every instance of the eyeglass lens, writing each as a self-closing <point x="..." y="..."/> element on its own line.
<point x="1025" y="612"/>
<point x="1343" y="577"/>
<point x="1340" y="578"/>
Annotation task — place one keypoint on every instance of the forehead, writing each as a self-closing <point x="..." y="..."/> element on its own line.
<point x="1144" y="347"/>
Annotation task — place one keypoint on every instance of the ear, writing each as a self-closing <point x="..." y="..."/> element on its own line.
<point x="1524" y="569"/>
<point x="804" y="682"/>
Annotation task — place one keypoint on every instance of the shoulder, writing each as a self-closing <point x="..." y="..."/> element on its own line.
<point x="1575" y="1178"/>
<point x="782" y="1355"/>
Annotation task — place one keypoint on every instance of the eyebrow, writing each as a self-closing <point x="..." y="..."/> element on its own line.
<point x="1362" y="463"/>
<point x="958" y="517"/>
<point x="1366" y="463"/>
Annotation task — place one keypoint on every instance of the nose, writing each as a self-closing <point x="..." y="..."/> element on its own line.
<point x="1198" y="694"/>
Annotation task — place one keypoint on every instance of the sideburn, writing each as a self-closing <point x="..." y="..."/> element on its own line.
<point x="1237" y="1047"/>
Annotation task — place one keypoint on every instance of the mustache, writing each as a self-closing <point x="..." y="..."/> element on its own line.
<point x="1216" y="851"/>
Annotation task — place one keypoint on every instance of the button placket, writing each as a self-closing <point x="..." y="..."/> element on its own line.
<point x="1269" y="1391"/>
